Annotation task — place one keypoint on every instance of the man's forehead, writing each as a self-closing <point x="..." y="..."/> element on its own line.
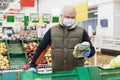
<point x="69" y="14"/>
<point x="69" y="10"/>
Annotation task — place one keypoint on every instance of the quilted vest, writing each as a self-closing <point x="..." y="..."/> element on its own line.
<point x="63" y="41"/>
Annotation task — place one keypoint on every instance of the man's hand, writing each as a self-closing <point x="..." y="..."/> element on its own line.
<point x="87" y="53"/>
<point x="80" y="49"/>
<point x="32" y="69"/>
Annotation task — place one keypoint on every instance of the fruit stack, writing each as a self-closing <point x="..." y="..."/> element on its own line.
<point x="46" y="60"/>
<point x="30" y="57"/>
<point x="48" y="57"/>
<point x="3" y="49"/>
<point x="4" y="62"/>
<point x="31" y="47"/>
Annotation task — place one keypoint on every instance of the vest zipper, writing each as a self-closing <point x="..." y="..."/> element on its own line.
<point x="64" y="55"/>
<point x="63" y="48"/>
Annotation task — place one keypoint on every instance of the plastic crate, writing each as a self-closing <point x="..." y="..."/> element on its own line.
<point x="79" y="73"/>
<point x="109" y="74"/>
<point x="98" y="73"/>
<point x="15" y="46"/>
<point x="0" y="76"/>
<point x="8" y="76"/>
<point x="17" y="59"/>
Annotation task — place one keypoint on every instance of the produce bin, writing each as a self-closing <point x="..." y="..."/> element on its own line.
<point x="8" y="76"/>
<point x="0" y="77"/>
<point x="80" y="73"/>
<point x="15" y="46"/>
<point x="17" y="59"/>
<point x="109" y="74"/>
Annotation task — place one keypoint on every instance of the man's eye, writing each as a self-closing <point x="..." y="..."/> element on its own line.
<point x="69" y="17"/>
<point x="72" y="17"/>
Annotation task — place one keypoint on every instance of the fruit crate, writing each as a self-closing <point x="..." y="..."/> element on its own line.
<point x="15" y="46"/>
<point x="8" y="76"/>
<point x="17" y="58"/>
<point x="79" y="73"/>
<point x="4" y="52"/>
<point x="109" y="74"/>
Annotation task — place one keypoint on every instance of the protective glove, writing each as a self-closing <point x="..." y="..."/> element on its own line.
<point x="87" y="53"/>
<point x="80" y="49"/>
<point x="32" y="69"/>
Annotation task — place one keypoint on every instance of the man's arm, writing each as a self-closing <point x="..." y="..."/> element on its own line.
<point x="86" y="38"/>
<point x="42" y="45"/>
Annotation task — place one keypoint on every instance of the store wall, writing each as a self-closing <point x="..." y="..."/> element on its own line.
<point x="48" y="6"/>
<point x="28" y="10"/>
<point x="105" y="11"/>
<point x="110" y="10"/>
<point x="116" y="18"/>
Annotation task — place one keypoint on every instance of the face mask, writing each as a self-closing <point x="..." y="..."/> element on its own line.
<point x="68" y="22"/>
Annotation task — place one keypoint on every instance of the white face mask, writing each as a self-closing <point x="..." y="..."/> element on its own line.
<point x="68" y="22"/>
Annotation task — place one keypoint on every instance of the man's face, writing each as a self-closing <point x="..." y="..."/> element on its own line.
<point x="68" y="16"/>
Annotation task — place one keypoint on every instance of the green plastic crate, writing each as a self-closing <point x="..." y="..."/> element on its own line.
<point x="79" y="73"/>
<point x="98" y="73"/>
<point x="8" y="76"/>
<point x="110" y="74"/>
<point x="0" y="76"/>
<point x="15" y="46"/>
<point x="17" y="59"/>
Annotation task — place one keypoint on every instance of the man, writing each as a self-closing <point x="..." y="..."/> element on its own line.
<point x="62" y="38"/>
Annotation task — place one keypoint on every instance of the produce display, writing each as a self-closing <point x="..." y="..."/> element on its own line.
<point x="44" y="59"/>
<point x="47" y="58"/>
<point x="31" y="47"/>
<point x="115" y="62"/>
<point x="4" y="62"/>
<point x="3" y="48"/>
<point x="30" y="57"/>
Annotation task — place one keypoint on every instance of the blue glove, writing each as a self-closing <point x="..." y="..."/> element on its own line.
<point x="87" y="53"/>
<point x="32" y="69"/>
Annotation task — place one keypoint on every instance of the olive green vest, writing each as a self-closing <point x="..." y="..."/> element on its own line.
<point x="62" y="45"/>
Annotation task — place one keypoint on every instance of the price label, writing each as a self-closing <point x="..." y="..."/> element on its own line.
<point x="34" y="17"/>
